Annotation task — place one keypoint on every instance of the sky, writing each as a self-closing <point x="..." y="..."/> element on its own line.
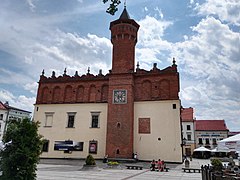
<point x="202" y="35"/>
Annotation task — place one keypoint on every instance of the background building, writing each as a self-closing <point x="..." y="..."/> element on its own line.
<point x="208" y="132"/>
<point x="129" y="110"/>
<point x="9" y="113"/>
<point x="188" y="130"/>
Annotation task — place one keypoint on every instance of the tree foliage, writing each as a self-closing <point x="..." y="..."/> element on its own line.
<point x="112" y="6"/>
<point x="19" y="159"/>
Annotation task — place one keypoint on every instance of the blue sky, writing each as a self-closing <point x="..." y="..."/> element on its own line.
<point x="203" y="36"/>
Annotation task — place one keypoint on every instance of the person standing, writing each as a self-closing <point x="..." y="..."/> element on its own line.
<point x="136" y="156"/>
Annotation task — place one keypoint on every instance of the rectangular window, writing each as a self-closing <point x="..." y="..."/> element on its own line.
<point x="207" y="141"/>
<point x="45" y="146"/>
<point x="189" y="137"/>
<point x="1" y="116"/>
<point x="48" y="119"/>
<point x="174" y="106"/>
<point x="188" y="127"/>
<point x="95" y="119"/>
<point x="71" y="118"/>
<point x="214" y="141"/>
<point x="200" y="141"/>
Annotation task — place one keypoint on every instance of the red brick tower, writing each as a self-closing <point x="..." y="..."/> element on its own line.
<point x="121" y="88"/>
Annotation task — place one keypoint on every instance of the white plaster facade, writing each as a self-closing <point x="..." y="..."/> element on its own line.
<point x="164" y="124"/>
<point x="209" y="139"/>
<point x="189" y="137"/>
<point x="3" y="117"/>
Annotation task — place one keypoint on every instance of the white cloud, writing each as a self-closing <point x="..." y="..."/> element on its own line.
<point x="71" y="50"/>
<point x="6" y="96"/>
<point x="191" y="1"/>
<point x="210" y="60"/>
<point x="226" y="10"/>
<point x="160" y="14"/>
<point x="32" y="87"/>
<point x="31" y="4"/>
<point x="151" y="47"/>
<point x="21" y="102"/>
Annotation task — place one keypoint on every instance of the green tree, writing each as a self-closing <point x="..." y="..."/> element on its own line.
<point x="19" y="159"/>
<point x="113" y="6"/>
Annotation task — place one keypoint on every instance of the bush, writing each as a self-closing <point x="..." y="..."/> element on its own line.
<point x="112" y="163"/>
<point x="90" y="160"/>
<point x="216" y="164"/>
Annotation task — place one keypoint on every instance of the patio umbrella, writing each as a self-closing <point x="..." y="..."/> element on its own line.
<point x="202" y="152"/>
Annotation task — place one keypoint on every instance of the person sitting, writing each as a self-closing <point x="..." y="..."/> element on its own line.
<point x="152" y="167"/>
<point x="159" y="164"/>
<point x="163" y="165"/>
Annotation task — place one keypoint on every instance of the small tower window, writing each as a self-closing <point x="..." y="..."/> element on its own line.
<point x="118" y="125"/>
<point x="118" y="151"/>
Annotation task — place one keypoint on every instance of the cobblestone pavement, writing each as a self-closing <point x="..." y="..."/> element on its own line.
<point x="71" y="169"/>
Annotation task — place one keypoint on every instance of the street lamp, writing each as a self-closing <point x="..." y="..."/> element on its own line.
<point x="184" y="141"/>
<point x="183" y="147"/>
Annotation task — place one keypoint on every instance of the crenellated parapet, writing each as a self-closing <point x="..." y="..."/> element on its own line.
<point x="87" y="88"/>
<point x="155" y="84"/>
<point x="76" y="77"/>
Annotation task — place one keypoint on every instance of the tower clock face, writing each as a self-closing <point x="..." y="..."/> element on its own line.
<point x="120" y="96"/>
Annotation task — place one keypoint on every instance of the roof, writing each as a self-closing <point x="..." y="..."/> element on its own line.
<point x="124" y="14"/>
<point x="187" y="114"/>
<point x="211" y="125"/>
<point x="7" y="107"/>
<point x="233" y="133"/>
<point x="201" y="149"/>
<point x="232" y="138"/>
<point x="2" y="107"/>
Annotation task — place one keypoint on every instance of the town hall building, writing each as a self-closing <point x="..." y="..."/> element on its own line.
<point x="129" y="110"/>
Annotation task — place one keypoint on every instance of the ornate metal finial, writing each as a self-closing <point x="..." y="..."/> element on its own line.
<point x="76" y="74"/>
<point x="53" y="74"/>
<point x="125" y="4"/>
<point x="100" y="72"/>
<point x="174" y="61"/>
<point x="138" y="65"/>
<point x="65" y="71"/>
<point x="43" y="72"/>
<point x="154" y="65"/>
<point x="88" y="71"/>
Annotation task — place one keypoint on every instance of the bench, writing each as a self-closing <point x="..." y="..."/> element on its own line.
<point x="191" y="170"/>
<point x="134" y="167"/>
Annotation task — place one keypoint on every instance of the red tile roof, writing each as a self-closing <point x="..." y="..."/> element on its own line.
<point x="211" y="125"/>
<point x="187" y="114"/>
<point x="2" y="107"/>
